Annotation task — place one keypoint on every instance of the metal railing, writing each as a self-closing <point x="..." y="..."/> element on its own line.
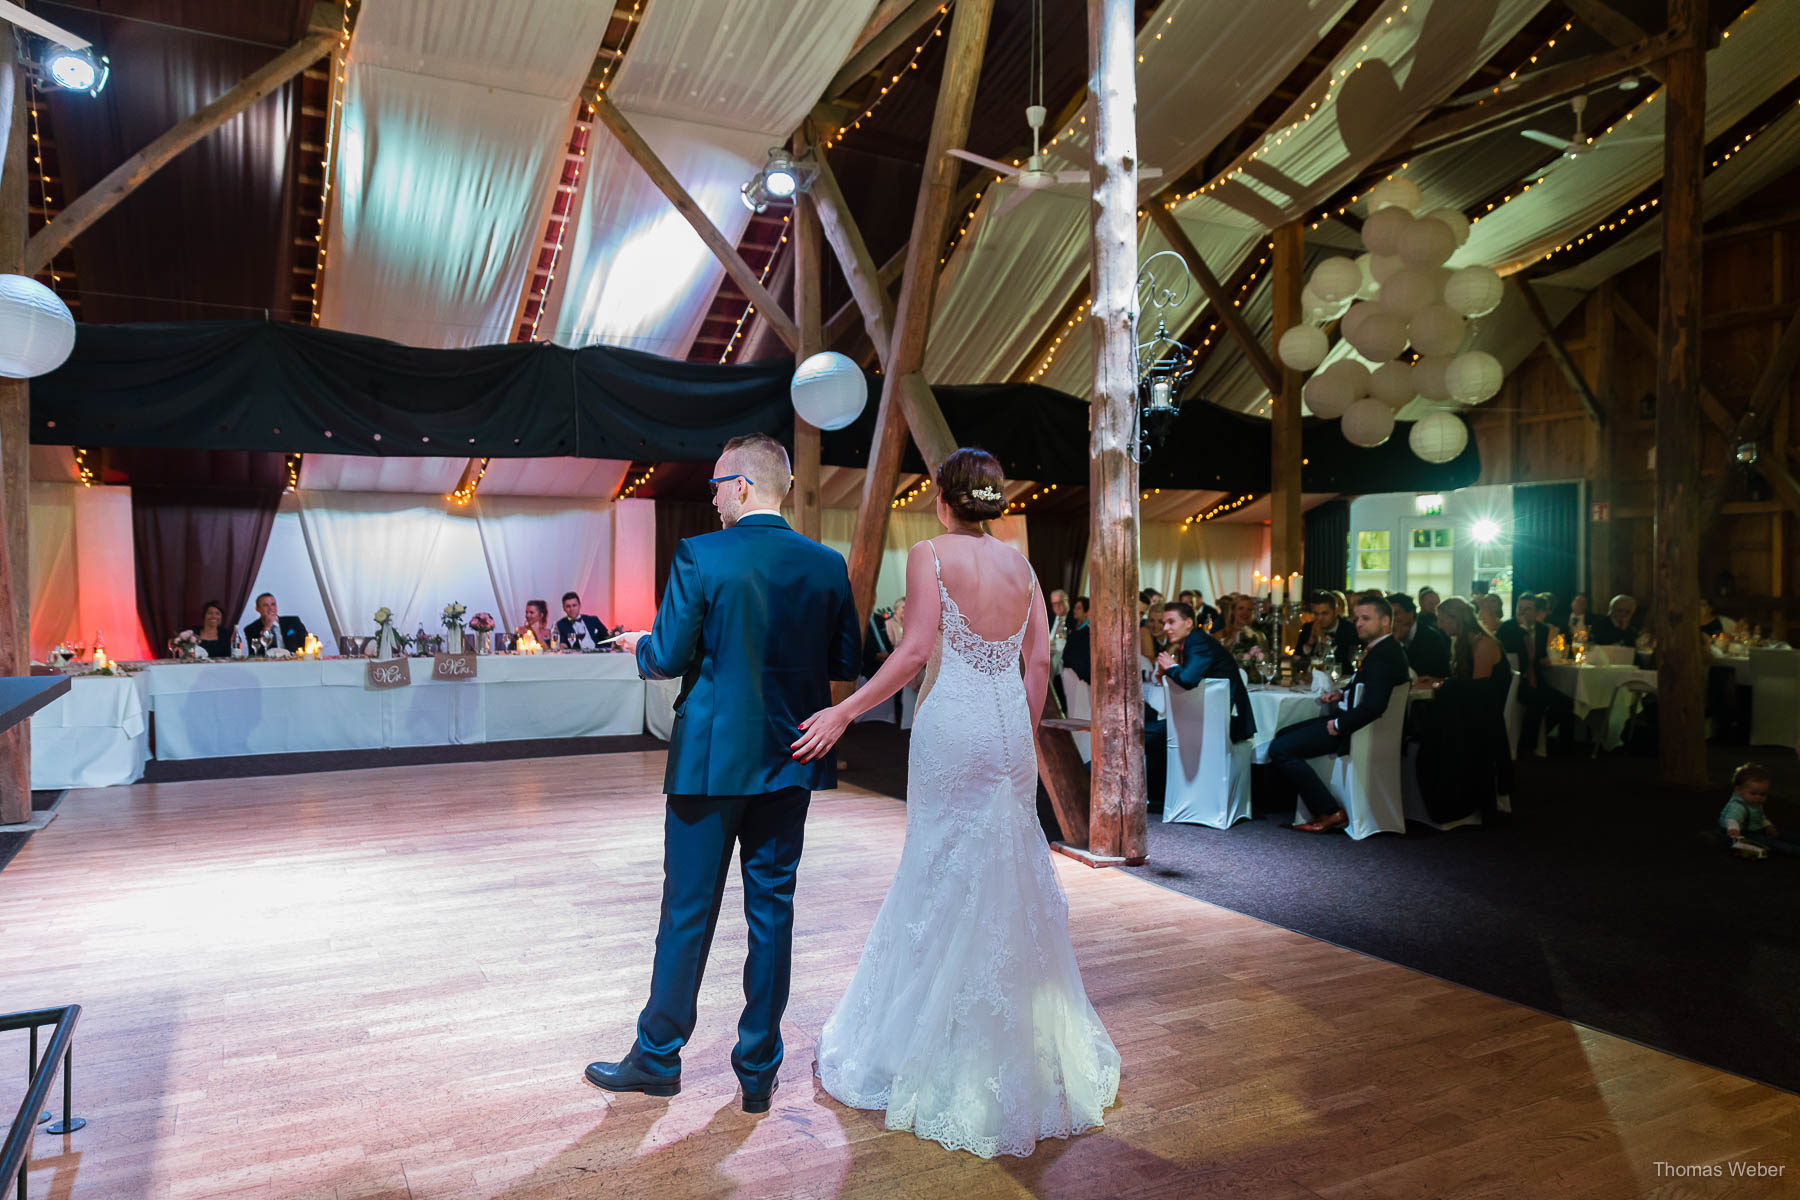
<point x="42" y="1073"/>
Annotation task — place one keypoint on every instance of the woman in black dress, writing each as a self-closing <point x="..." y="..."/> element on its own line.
<point x="214" y="634"/>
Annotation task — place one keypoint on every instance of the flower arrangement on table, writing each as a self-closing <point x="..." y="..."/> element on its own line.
<point x="482" y="625"/>
<point x="1252" y="658"/>
<point x="453" y="626"/>
<point x="185" y="647"/>
<point x="387" y="643"/>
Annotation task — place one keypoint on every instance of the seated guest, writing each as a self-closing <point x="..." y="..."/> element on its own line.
<point x="1194" y="655"/>
<point x="1546" y="605"/>
<point x="1240" y="632"/>
<point x="1383" y="669"/>
<point x="1619" y="628"/>
<point x="1576" y="620"/>
<point x="877" y="645"/>
<point x="1428" y="602"/>
<point x="271" y="629"/>
<point x="211" y="631"/>
<point x="1427" y="649"/>
<point x="575" y="627"/>
<point x="1150" y="602"/>
<point x="537" y="622"/>
<point x="1490" y="610"/>
<point x="1529" y="639"/>
<point x="1327" y="635"/>
<point x="1711" y="623"/>
<point x="1076" y="651"/>
<point x="1464" y="761"/>
<point x="1205" y="615"/>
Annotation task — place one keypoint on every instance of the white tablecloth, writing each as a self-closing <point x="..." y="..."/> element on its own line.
<point x="1275" y="708"/>
<point x="95" y="736"/>
<point x="215" y="709"/>
<point x="1592" y="686"/>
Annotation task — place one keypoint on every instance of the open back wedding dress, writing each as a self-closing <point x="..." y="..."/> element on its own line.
<point x="967" y="1020"/>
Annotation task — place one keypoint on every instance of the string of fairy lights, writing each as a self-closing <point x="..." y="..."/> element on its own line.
<point x="1217" y="510"/>
<point x="635" y="484"/>
<point x="912" y="493"/>
<point x="339" y="58"/>
<point x="1018" y="505"/>
<point x="465" y="490"/>
<point x="37" y="157"/>
<point x="83" y="468"/>
<point x="292" y="465"/>
<point x="912" y="64"/>
<point x="750" y="306"/>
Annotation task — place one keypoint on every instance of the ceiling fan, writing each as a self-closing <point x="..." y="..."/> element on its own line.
<point x="1578" y="145"/>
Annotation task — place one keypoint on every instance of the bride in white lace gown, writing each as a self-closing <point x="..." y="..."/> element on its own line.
<point x="967" y="1020"/>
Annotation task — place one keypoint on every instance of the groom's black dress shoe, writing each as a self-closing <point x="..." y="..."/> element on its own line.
<point x="754" y="1103"/>
<point x="627" y="1076"/>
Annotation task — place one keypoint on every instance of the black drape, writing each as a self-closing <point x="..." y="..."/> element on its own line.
<point x="1058" y="553"/>
<point x="1546" y="539"/>
<point x="1325" y="530"/>
<point x="675" y="520"/>
<point x="194" y="545"/>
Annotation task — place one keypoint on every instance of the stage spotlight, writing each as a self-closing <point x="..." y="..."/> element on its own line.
<point x="755" y="195"/>
<point x="780" y="176"/>
<point x="72" y="68"/>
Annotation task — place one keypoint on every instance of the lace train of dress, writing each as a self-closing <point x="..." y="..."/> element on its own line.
<point x="967" y="1019"/>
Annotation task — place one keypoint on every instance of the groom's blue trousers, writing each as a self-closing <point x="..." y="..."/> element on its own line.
<point x="698" y="835"/>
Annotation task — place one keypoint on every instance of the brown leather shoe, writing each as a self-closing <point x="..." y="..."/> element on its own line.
<point x="1336" y="820"/>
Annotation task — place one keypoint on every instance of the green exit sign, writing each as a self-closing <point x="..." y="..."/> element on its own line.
<point x="1429" y="505"/>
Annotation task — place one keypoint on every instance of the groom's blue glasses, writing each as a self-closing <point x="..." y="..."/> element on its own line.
<point x="714" y="483"/>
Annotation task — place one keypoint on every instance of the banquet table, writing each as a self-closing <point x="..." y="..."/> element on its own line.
<point x="1591" y="685"/>
<point x="1275" y="708"/>
<point x="94" y="736"/>
<point x="214" y="709"/>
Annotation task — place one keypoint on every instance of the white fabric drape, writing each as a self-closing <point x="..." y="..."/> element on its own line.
<point x="537" y="549"/>
<point x="711" y="85"/>
<point x="83" y="570"/>
<point x="455" y="122"/>
<point x="1213" y="557"/>
<point x="370" y="551"/>
<point x="286" y="572"/>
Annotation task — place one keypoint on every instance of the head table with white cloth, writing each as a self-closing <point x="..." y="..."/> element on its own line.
<point x="97" y="735"/>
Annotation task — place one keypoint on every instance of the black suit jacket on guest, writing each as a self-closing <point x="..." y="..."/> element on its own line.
<point x="1202" y="657"/>
<point x="565" y="630"/>
<point x="1604" y="633"/>
<point x="1076" y="653"/>
<point x="1383" y="669"/>
<point x="1429" y="652"/>
<point x="1428" y="620"/>
<point x="1344" y="643"/>
<point x="293" y="634"/>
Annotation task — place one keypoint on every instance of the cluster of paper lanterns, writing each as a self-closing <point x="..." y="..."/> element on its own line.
<point x="1398" y="294"/>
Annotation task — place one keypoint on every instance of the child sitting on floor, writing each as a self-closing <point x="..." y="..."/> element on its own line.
<point x="1743" y="825"/>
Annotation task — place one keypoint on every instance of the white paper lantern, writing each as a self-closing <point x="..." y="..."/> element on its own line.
<point x="1437" y="329"/>
<point x="1368" y="423"/>
<point x="829" y="390"/>
<point x="1379" y="336"/>
<point x="1390" y="193"/>
<point x="1429" y="376"/>
<point x="1385" y="266"/>
<point x="1438" y="437"/>
<point x="1355" y="315"/>
<point x="1474" y="291"/>
<point x="1314" y="307"/>
<point x="1391" y="383"/>
<point x="1303" y="347"/>
<point x="1473" y="376"/>
<point x="1382" y="232"/>
<point x="36" y="330"/>
<point x="1354" y="375"/>
<point x="1336" y="279"/>
<point x="1327" y="395"/>
<point x="1427" y="244"/>
<point x="1452" y="220"/>
<point x="1370" y="287"/>
<point x="1406" y="292"/>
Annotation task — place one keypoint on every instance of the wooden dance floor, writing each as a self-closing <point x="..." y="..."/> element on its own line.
<point x="386" y="984"/>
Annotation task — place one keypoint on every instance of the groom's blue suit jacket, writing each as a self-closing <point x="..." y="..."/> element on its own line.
<point x="756" y="622"/>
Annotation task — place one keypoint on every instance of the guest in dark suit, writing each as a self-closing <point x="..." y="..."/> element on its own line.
<point x="1529" y="639"/>
<point x="1327" y="630"/>
<point x="1206" y="617"/>
<point x="1427" y="649"/>
<point x="287" y="632"/>
<point x="756" y="622"/>
<point x="1383" y="669"/>
<point x="574" y="624"/>
<point x="1620" y="627"/>
<point x="1428" y="602"/>
<point x="1078" y="650"/>
<point x="215" y="639"/>
<point x="1202" y="657"/>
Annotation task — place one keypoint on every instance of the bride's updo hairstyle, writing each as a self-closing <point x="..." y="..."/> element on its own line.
<point x="972" y="484"/>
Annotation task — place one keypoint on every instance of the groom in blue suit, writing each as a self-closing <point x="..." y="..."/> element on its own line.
<point x="756" y="622"/>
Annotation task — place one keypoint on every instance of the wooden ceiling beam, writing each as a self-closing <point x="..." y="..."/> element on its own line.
<point x="876" y="46"/>
<point x="1610" y="24"/>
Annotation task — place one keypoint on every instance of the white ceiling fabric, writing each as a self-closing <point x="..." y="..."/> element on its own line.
<point x="456" y="119"/>
<point x="1418" y="53"/>
<point x="710" y="85"/>
<point x="439" y="476"/>
<point x="1204" y="70"/>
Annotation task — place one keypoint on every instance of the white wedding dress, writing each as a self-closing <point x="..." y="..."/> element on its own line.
<point x="967" y="1020"/>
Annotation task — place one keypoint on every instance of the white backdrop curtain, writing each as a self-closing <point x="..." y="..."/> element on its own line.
<point x="537" y="549"/>
<point x="1213" y="557"/>
<point x="372" y="550"/>
<point x="455" y="123"/>
<point x="711" y="85"/>
<point x="286" y="572"/>
<point x="83" y="570"/>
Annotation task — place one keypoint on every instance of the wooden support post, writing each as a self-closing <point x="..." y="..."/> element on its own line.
<point x="119" y="183"/>
<point x="807" y="281"/>
<point x="1285" y="535"/>
<point x="1116" y="818"/>
<point x="1602" y="343"/>
<point x="722" y="249"/>
<point x="1681" y="673"/>
<point x="15" y="452"/>
<point x="1558" y="352"/>
<point x="914" y="404"/>
<point x="850" y="312"/>
<point x="854" y="259"/>
<point x="1229" y="314"/>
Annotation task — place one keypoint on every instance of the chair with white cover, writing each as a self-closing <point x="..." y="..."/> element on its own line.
<point x="1209" y="774"/>
<point x="1080" y="708"/>
<point x="1514" y="712"/>
<point x="1775" y="697"/>
<point x="1415" y="809"/>
<point x="1366" y="781"/>
<point x="1612" y="656"/>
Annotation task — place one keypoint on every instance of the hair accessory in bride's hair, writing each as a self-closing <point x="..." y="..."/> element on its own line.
<point x="985" y="493"/>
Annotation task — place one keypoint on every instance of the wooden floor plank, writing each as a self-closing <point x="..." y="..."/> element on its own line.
<point x="384" y="984"/>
